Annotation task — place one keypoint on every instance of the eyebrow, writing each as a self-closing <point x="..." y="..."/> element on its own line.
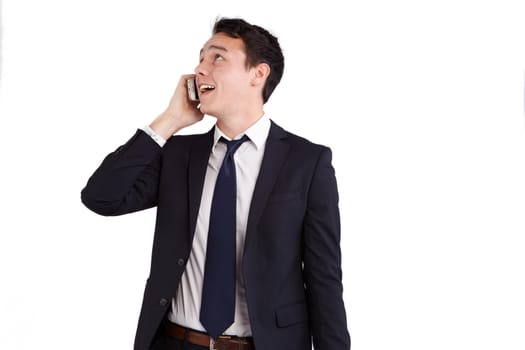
<point x="216" y="47"/>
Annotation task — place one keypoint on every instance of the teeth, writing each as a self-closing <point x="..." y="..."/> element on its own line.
<point x="205" y="87"/>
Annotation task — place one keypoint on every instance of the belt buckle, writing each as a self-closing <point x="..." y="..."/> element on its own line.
<point x="219" y="344"/>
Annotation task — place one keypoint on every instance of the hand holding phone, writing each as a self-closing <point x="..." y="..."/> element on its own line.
<point x="182" y="111"/>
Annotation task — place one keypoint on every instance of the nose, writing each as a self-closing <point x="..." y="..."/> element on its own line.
<point x="202" y="69"/>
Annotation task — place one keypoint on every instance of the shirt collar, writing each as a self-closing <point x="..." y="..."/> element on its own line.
<point x="258" y="133"/>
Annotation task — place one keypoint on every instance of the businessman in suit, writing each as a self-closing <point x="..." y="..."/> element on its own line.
<point x="256" y="268"/>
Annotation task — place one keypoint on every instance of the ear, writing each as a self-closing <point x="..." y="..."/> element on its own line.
<point x="260" y="73"/>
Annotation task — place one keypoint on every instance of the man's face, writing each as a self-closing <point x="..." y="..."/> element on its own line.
<point x="222" y="78"/>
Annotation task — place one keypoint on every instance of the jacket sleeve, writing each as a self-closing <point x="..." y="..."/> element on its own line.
<point x="127" y="180"/>
<point x="322" y="260"/>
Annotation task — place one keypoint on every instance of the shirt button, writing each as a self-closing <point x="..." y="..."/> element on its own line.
<point x="180" y="262"/>
<point x="163" y="302"/>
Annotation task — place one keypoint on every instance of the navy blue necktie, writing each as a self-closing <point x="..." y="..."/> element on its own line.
<point x="218" y="291"/>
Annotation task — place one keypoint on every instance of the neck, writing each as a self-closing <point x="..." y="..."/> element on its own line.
<point x="236" y="124"/>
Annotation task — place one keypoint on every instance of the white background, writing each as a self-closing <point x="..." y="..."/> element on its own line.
<point x="420" y="101"/>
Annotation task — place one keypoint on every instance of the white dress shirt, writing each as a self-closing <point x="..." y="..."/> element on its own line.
<point x="186" y="306"/>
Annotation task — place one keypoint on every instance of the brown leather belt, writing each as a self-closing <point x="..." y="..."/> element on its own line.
<point x="202" y="339"/>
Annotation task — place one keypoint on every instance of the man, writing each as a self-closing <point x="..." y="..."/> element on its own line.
<point x="256" y="268"/>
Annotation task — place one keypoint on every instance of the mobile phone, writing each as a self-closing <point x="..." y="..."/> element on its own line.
<point x="192" y="90"/>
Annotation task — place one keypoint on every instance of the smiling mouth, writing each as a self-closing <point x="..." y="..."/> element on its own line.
<point x="206" y="88"/>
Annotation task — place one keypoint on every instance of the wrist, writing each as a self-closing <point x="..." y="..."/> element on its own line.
<point x="165" y="126"/>
<point x="161" y="141"/>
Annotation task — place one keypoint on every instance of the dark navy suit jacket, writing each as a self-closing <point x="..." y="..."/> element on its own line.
<point x="292" y="258"/>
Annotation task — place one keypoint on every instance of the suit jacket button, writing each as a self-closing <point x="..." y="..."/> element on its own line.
<point x="163" y="302"/>
<point x="180" y="262"/>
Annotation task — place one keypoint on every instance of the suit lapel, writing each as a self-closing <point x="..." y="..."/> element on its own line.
<point x="275" y="154"/>
<point x="199" y="156"/>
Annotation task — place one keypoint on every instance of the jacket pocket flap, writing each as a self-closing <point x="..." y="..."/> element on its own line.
<point x="290" y="314"/>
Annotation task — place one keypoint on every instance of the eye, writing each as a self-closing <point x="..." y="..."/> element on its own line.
<point x="219" y="57"/>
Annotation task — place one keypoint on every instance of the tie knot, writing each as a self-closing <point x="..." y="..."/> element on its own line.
<point x="233" y="145"/>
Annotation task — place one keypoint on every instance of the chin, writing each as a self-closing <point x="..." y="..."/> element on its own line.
<point x="208" y="110"/>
